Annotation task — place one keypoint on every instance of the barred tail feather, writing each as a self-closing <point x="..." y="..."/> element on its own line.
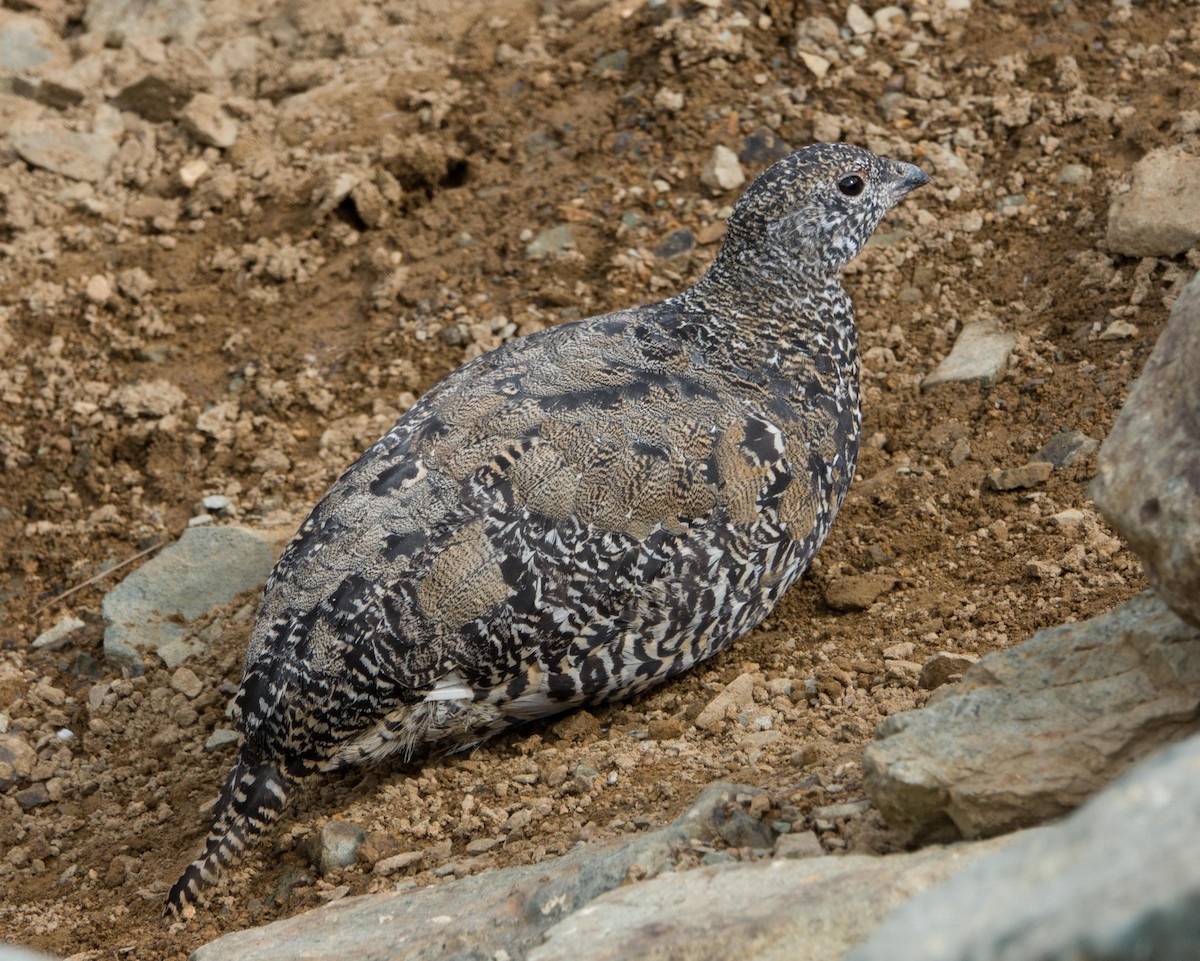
<point x="253" y="798"/>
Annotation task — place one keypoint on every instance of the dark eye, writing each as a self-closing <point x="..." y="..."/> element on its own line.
<point x="851" y="186"/>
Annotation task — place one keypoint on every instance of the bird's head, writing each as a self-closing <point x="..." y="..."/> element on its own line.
<point x="817" y="207"/>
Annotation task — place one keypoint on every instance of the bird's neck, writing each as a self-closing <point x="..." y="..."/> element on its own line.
<point x="782" y="310"/>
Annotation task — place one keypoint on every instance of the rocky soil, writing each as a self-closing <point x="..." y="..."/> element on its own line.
<point x="236" y="240"/>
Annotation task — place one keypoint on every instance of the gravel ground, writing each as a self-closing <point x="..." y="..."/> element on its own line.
<point x="312" y="211"/>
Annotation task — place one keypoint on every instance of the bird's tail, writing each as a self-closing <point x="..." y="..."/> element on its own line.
<point x="253" y="798"/>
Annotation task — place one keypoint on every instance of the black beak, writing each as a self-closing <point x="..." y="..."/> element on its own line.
<point x="911" y="177"/>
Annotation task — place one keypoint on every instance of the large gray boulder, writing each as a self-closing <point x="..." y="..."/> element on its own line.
<point x="810" y="910"/>
<point x="1033" y="731"/>
<point x="205" y="568"/>
<point x="1148" y="470"/>
<point x="1119" y="880"/>
<point x="495" y="914"/>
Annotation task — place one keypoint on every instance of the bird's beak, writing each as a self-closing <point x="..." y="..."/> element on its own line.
<point x="910" y="177"/>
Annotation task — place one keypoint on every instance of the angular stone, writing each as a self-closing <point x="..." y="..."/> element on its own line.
<point x="1020" y="478"/>
<point x="58" y="635"/>
<point x="1062" y="450"/>
<point x="945" y="667"/>
<point x="857" y="592"/>
<point x="556" y="240"/>
<point x="1148" y="470"/>
<point x="979" y="355"/>
<point x="333" y="845"/>
<point x="798" y="844"/>
<point x="119" y="20"/>
<point x="33" y="796"/>
<point x="1032" y="731"/>
<point x="17" y="759"/>
<point x="1160" y="214"/>
<point x="488" y="915"/>
<point x="738" y="693"/>
<point x="723" y="171"/>
<point x="208" y="123"/>
<point x="205" y="568"/>
<point x="1117" y="880"/>
<point x="49" y="145"/>
<point x="29" y="44"/>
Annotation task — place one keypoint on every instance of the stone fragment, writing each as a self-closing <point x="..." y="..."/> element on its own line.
<point x="33" y="796"/>
<point x="57" y="93"/>
<point x="58" y="635"/>
<point x="149" y="398"/>
<point x="17" y="759"/>
<point x="333" y="845"/>
<point x="220" y="737"/>
<point x="1148" y="470"/>
<point x="191" y="173"/>
<point x="1021" y="478"/>
<point x="208" y="123"/>
<point x="117" y="21"/>
<point x="1116" y="880"/>
<point x="556" y="240"/>
<point x="80" y="156"/>
<point x="1032" y="731"/>
<point x="98" y="289"/>
<point x="818" y="66"/>
<point x="398" y="862"/>
<point x="945" y="667"/>
<point x="738" y="693"/>
<point x="979" y="355"/>
<point x="490" y="915"/>
<point x="763" y="147"/>
<point x="738" y="829"/>
<point x="798" y="844"/>
<point x="723" y="171"/>
<point x="151" y="608"/>
<point x="860" y="24"/>
<point x="29" y="44"/>
<point x="1063" y="449"/>
<point x="1160" y="214"/>
<point x="857" y="592"/>
<point x="185" y="681"/>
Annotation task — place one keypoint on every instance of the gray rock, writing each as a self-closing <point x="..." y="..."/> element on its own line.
<point x="1118" y="880"/>
<point x="33" y="796"/>
<point x="28" y="43"/>
<point x="723" y="170"/>
<point x="53" y="93"/>
<point x="945" y="667"/>
<point x="1031" y="732"/>
<point x="1020" y="478"/>
<point x="207" y="122"/>
<point x="1075" y="175"/>
<point x="333" y="845"/>
<point x="979" y="355"/>
<point x="738" y="829"/>
<point x="118" y="20"/>
<point x="220" y="737"/>
<point x="779" y="910"/>
<point x="205" y="568"/>
<point x="58" y="635"/>
<point x="798" y="844"/>
<point x="556" y="240"/>
<point x="1062" y="450"/>
<point x="17" y="759"/>
<point x="478" y="916"/>
<point x="1148" y="471"/>
<point x="1160" y="214"/>
<point x="80" y="156"/>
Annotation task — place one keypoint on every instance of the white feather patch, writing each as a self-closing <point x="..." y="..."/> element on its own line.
<point x="450" y="688"/>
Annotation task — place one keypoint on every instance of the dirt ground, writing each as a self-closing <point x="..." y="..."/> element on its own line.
<point x="368" y="231"/>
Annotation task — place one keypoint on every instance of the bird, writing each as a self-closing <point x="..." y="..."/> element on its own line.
<point x="574" y="517"/>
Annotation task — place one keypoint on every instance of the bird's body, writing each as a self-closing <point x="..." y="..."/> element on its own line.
<point x="573" y="517"/>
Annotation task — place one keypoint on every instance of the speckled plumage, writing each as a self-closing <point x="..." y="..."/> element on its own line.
<point x="575" y="516"/>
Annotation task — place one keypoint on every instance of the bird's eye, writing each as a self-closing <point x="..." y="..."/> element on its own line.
<point x="851" y="186"/>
